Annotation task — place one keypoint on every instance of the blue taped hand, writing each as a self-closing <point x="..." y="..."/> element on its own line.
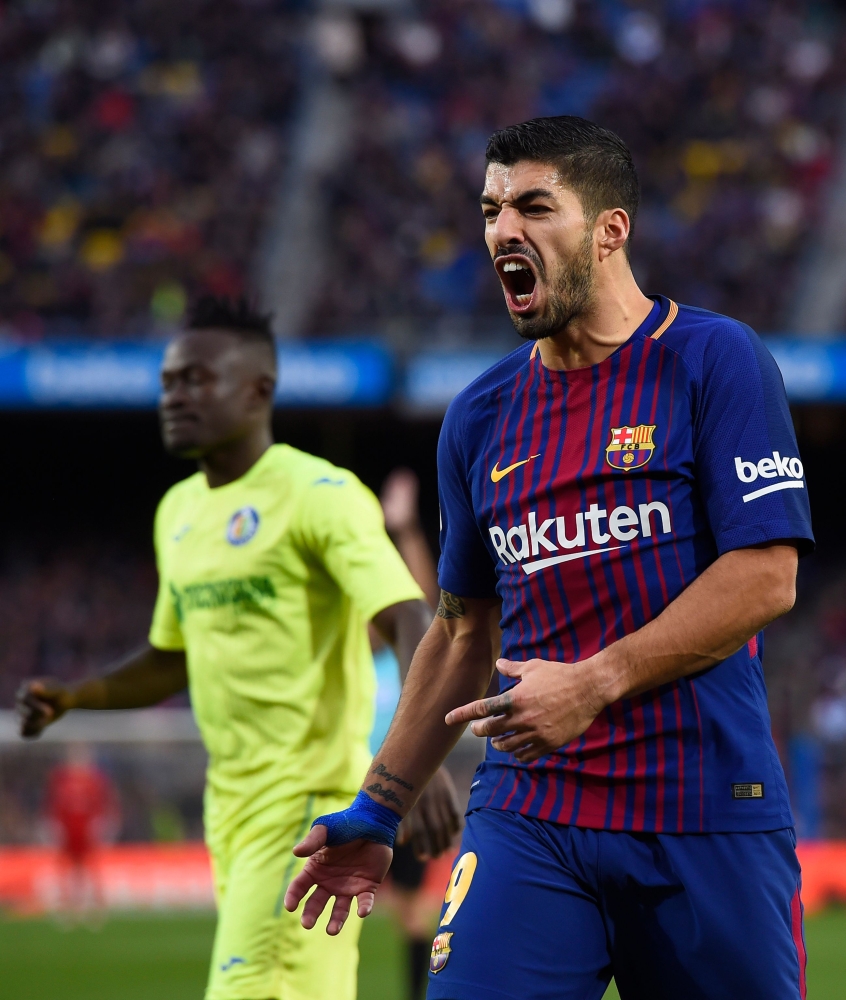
<point x="364" y="818"/>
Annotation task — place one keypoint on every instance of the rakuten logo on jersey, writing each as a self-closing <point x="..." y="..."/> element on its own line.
<point x="770" y="468"/>
<point x="624" y="524"/>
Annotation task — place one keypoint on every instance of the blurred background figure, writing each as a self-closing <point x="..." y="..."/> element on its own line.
<point x="415" y="910"/>
<point x="82" y="813"/>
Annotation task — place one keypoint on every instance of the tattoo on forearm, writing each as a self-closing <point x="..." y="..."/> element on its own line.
<point x="450" y="606"/>
<point x="388" y="794"/>
<point x="389" y="776"/>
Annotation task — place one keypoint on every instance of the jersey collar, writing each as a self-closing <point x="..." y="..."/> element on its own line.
<point x="660" y="317"/>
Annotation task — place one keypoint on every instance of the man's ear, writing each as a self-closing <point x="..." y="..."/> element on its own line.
<point x="612" y="228"/>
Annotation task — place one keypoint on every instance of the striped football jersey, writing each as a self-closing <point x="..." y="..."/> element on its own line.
<point x="587" y="500"/>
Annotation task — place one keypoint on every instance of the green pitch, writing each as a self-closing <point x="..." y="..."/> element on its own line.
<point x="164" y="958"/>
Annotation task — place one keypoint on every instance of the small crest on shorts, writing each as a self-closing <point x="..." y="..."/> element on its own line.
<point x="440" y="951"/>
<point x="630" y="447"/>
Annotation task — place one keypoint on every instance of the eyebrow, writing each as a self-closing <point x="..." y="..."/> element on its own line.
<point x="529" y="195"/>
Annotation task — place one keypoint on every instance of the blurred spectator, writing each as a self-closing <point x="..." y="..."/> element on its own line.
<point x="730" y="107"/>
<point x="139" y="142"/>
<point x="82" y="811"/>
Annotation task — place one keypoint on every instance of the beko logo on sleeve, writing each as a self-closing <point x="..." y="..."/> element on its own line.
<point x="770" y="468"/>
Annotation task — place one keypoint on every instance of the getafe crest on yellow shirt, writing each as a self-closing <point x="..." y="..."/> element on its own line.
<point x="440" y="951"/>
<point x="630" y="447"/>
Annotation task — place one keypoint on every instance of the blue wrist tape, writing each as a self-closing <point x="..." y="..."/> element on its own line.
<point x="364" y="818"/>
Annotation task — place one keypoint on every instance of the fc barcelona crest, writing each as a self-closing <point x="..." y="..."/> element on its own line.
<point x="440" y="951"/>
<point x="630" y="447"/>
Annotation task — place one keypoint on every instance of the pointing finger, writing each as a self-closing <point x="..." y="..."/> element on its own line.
<point x="500" y="704"/>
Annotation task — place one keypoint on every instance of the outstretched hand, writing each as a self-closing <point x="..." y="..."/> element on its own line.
<point x="352" y="870"/>
<point x="552" y="704"/>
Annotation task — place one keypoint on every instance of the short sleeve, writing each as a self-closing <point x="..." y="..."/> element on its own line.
<point x="465" y="567"/>
<point x="747" y="463"/>
<point x="165" y="629"/>
<point x="342" y="525"/>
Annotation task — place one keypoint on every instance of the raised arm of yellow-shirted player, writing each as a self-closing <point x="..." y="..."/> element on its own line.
<point x="343" y="524"/>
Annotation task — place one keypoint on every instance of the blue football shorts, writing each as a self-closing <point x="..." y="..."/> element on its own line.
<point x="539" y="911"/>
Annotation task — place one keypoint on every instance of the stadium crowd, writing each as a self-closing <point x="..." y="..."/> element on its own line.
<point x="731" y="115"/>
<point x="80" y="606"/>
<point x="139" y="144"/>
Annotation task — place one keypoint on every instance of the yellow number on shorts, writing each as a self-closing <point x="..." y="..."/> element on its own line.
<point x="459" y="885"/>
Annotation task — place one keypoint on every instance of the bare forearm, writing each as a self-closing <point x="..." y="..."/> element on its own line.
<point x="446" y="672"/>
<point x="145" y="678"/>
<point x="717" y="614"/>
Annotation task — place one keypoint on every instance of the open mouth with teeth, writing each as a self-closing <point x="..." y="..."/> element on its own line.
<point x="519" y="282"/>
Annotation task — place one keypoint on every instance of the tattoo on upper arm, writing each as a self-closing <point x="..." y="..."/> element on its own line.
<point x="450" y="606"/>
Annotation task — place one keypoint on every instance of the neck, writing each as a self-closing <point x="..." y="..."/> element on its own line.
<point x="230" y="461"/>
<point x="617" y="310"/>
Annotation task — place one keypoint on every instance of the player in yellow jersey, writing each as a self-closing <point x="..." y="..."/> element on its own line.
<point x="271" y="563"/>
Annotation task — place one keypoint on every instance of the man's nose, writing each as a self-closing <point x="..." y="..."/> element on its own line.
<point x="508" y="229"/>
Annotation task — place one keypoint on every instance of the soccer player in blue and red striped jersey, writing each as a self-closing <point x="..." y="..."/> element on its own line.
<point x="624" y="495"/>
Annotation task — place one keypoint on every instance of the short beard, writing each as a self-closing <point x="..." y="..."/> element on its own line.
<point x="571" y="292"/>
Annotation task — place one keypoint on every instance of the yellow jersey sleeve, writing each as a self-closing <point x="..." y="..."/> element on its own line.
<point x="342" y="524"/>
<point x="165" y="630"/>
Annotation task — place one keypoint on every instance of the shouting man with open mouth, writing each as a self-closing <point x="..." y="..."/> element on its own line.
<point x="624" y="497"/>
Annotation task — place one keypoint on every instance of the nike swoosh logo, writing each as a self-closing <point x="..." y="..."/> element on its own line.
<point x="497" y="473"/>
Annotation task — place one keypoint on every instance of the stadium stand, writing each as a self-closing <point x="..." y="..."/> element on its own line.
<point x="142" y="148"/>
<point x="139" y="146"/>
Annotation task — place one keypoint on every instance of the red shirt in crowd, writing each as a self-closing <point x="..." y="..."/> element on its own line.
<point x="80" y="799"/>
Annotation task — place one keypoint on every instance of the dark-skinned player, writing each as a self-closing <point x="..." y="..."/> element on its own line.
<point x="271" y="563"/>
<point x="623" y="494"/>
